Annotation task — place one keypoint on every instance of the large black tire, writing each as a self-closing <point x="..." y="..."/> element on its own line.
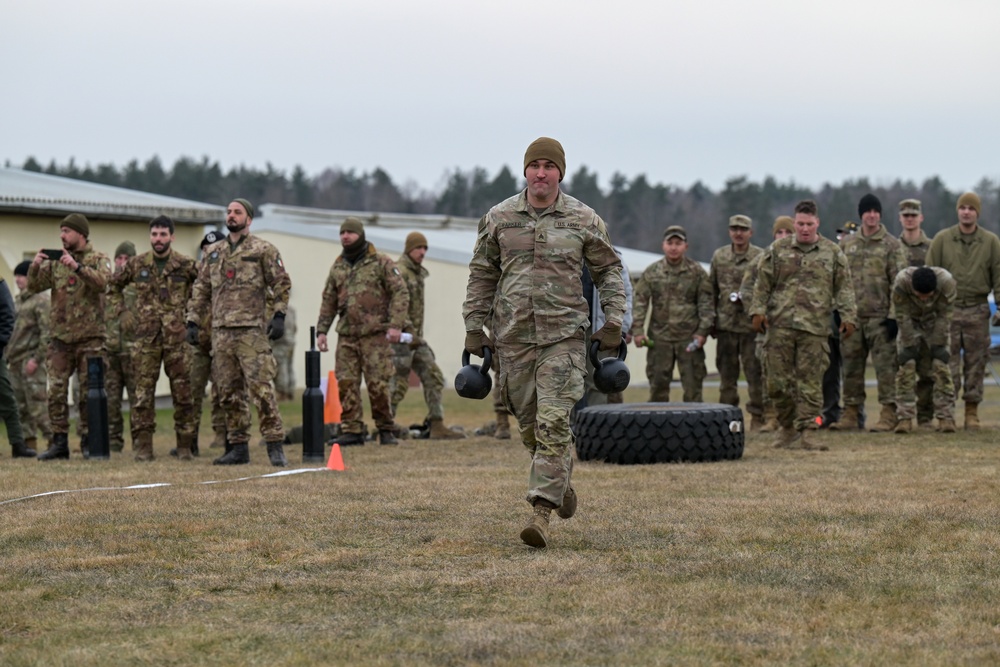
<point x="632" y="433"/>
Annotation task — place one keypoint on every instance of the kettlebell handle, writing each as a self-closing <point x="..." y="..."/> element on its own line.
<point x="596" y="345"/>
<point x="487" y="360"/>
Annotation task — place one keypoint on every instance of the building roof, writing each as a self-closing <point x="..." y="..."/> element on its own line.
<point x="36" y="193"/>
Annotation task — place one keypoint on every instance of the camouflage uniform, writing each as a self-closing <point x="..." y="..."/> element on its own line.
<point x="924" y="331"/>
<point x="120" y="377"/>
<point x="678" y="299"/>
<point x="526" y="268"/>
<point x="284" y="356"/>
<point x="874" y="261"/>
<point x="163" y="288"/>
<point x="78" y="330"/>
<point x="369" y="298"/>
<point x="201" y="373"/>
<point x="797" y="287"/>
<point x="736" y="337"/>
<point x="8" y="404"/>
<point x="916" y="254"/>
<point x="420" y="356"/>
<point x="30" y="341"/>
<point x="232" y="289"/>
<point x="974" y="261"/>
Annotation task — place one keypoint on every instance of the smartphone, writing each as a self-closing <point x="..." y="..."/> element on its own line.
<point x="54" y="255"/>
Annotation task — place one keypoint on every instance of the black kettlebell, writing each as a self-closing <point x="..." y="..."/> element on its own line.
<point x="474" y="381"/>
<point x="610" y="375"/>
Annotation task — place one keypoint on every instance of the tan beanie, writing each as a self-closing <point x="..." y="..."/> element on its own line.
<point x="783" y="222"/>
<point x="544" y="148"/>
<point x="971" y="199"/>
<point x="353" y="224"/>
<point x="414" y="240"/>
<point x="78" y="223"/>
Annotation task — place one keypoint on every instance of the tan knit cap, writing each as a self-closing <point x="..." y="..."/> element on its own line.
<point x="970" y="199"/>
<point x="414" y="240"/>
<point x="352" y="224"/>
<point x="544" y="148"/>
<point x="783" y="222"/>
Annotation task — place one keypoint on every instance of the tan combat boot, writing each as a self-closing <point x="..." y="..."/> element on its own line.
<point x="503" y="427"/>
<point x="184" y="447"/>
<point x="756" y="423"/>
<point x="770" y="424"/>
<point x="536" y="533"/>
<point x="946" y="426"/>
<point x="786" y="438"/>
<point x="807" y="444"/>
<point x="441" y="432"/>
<point x="904" y="426"/>
<point x="972" y="416"/>
<point x="848" y="420"/>
<point x="568" y="508"/>
<point x="886" y="420"/>
<point x="220" y="440"/>
<point x="143" y="445"/>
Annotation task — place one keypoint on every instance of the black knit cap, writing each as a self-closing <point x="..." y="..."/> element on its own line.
<point x="22" y="268"/>
<point x="869" y="203"/>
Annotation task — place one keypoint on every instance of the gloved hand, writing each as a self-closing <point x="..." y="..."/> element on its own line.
<point x="847" y="330"/>
<point x="276" y="329"/>
<point x="609" y="336"/>
<point x="476" y="340"/>
<point x="941" y="353"/>
<point x="907" y="354"/>
<point x="192" y="333"/>
<point x="760" y="323"/>
<point x="891" y="329"/>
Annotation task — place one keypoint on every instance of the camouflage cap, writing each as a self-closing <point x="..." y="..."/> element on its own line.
<point x="909" y="206"/>
<point x="740" y="221"/>
<point x="675" y="231"/>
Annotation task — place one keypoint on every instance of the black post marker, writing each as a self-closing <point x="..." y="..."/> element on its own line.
<point x="313" y="442"/>
<point x="98" y="441"/>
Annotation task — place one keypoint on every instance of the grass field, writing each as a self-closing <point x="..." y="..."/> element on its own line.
<point x="883" y="550"/>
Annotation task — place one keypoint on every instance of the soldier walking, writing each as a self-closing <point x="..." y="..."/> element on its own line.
<point x="26" y="357"/>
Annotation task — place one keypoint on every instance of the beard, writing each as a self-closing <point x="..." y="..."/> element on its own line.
<point x="161" y="248"/>
<point x="234" y="227"/>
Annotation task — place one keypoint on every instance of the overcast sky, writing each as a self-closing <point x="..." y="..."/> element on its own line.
<point x="680" y="91"/>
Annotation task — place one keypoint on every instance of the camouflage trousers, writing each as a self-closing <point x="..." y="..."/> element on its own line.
<point x="758" y="343"/>
<point x="660" y="362"/>
<point x="201" y="373"/>
<point x="244" y="367"/>
<point x="118" y="379"/>
<point x="540" y="385"/>
<point x="175" y="356"/>
<point x="284" y="357"/>
<point x="970" y="350"/>
<point x="870" y="338"/>
<point x="796" y="361"/>
<point x="369" y="357"/>
<point x="422" y="362"/>
<point x="63" y="360"/>
<point x="944" y="389"/>
<point x="32" y="395"/>
<point x="8" y="407"/>
<point x="732" y="350"/>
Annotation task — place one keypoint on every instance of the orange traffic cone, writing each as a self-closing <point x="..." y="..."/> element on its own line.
<point x="336" y="461"/>
<point x="332" y="409"/>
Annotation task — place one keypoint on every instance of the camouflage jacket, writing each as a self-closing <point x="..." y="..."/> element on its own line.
<point x="161" y="297"/>
<point x="678" y="299"/>
<point x="233" y="282"/>
<point x="368" y="297"/>
<point x="31" y="328"/>
<point x="799" y="286"/>
<point x="930" y="318"/>
<point x="726" y="277"/>
<point x="120" y="313"/>
<point x="973" y="260"/>
<point x="526" y="267"/>
<point x="414" y="275"/>
<point x="916" y="253"/>
<point x="875" y="261"/>
<point x="77" y="312"/>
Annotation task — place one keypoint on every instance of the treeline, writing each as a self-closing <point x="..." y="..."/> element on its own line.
<point x="636" y="210"/>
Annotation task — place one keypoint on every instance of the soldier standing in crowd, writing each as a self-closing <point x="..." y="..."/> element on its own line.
<point x="736" y="345"/>
<point x="234" y="277"/>
<point x="875" y="258"/>
<point x="77" y="279"/>
<point x="525" y="270"/>
<point x="972" y="256"/>
<point x="418" y="355"/>
<point x="800" y="281"/>
<point x="923" y="299"/>
<point x="26" y="356"/>
<point x="916" y="244"/>
<point x="365" y="290"/>
<point x="284" y="356"/>
<point x="677" y="294"/>
<point x="120" y="308"/>
<point x="162" y="279"/>
<point x="8" y="404"/>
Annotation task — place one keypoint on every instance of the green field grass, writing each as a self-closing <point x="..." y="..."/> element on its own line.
<point x="884" y="550"/>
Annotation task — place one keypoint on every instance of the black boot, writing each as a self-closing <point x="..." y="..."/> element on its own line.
<point x="276" y="454"/>
<point x="59" y="449"/>
<point x="21" y="450"/>
<point x="238" y="455"/>
<point x="346" y="439"/>
<point x="386" y="437"/>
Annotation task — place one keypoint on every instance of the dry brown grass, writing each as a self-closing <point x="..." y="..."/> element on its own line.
<point x="882" y="550"/>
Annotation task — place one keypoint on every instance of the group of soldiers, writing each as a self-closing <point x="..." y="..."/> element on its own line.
<point x="787" y="314"/>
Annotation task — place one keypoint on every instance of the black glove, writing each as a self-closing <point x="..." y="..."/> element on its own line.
<point x="941" y="353"/>
<point x="192" y="333"/>
<point x="907" y="354"/>
<point x="276" y="329"/>
<point x="609" y="336"/>
<point x="891" y="329"/>
<point x="476" y="340"/>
